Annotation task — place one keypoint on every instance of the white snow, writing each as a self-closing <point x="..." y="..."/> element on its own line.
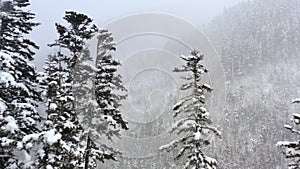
<point x="30" y="137"/>
<point x="23" y="105"/>
<point x="297" y="100"/>
<point x="6" y="57"/>
<point x="296" y="115"/>
<point x="68" y="124"/>
<point x="66" y="98"/>
<point x="178" y="104"/>
<point x="49" y="167"/>
<point x="167" y="146"/>
<point x="6" y="141"/>
<point x="203" y="109"/>
<point x="210" y="160"/>
<point x="53" y="83"/>
<point x="285" y="143"/>
<point x="7" y="79"/>
<point x="29" y="145"/>
<point x="41" y="153"/>
<point x="208" y="87"/>
<point x="23" y="87"/>
<point x="3" y="107"/>
<point x="51" y="137"/>
<point x="296" y="118"/>
<point x="287" y="126"/>
<point x="11" y="124"/>
<point x="66" y="146"/>
<point x="19" y="145"/>
<point x="53" y="106"/>
<point x="197" y="135"/>
<point x="206" y="115"/>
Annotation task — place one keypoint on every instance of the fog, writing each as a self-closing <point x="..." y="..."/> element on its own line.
<point x="103" y="12"/>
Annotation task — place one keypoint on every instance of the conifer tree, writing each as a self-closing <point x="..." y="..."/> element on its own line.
<point x="194" y="127"/>
<point x="292" y="148"/>
<point x="15" y="23"/>
<point x="74" y="36"/>
<point x="108" y="85"/>
<point x="19" y="92"/>
<point x="62" y="132"/>
<point x="100" y="92"/>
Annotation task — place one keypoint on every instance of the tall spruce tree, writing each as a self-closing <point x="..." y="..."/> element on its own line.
<point x="19" y="92"/>
<point x="74" y="36"/>
<point x="62" y="133"/>
<point x="292" y="148"/>
<point x="99" y="91"/>
<point x="15" y="23"/>
<point x="194" y="126"/>
<point x="108" y="86"/>
<point x="104" y="119"/>
<point x="85" y="104"/>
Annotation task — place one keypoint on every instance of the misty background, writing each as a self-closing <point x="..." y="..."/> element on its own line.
<point x="103" y="12"/>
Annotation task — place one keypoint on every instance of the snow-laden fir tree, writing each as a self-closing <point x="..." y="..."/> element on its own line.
<point x="99" y="97"/>
<point x="108" y="86"/>
<point x="15" y="23"/>
<point x="62" y="146"/>
<point x="19" y="94"/>
<point x="74" y="36"/>
<point x="85" y="105"/>
<point x="194" y="127"/>
<point x="60" y="138"/>
<point x="84" y="72"/>
<point x="292" y="148"/>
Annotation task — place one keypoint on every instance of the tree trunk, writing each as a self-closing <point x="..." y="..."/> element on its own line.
<point x="87" y="154"/>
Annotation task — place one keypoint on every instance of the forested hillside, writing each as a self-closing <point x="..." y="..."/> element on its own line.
<point x="258" y="42"/>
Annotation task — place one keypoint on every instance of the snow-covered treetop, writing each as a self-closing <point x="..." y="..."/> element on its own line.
<point x="15" y="23"/>
<point x="73" y="37"/>
<point x="194" y="126"/>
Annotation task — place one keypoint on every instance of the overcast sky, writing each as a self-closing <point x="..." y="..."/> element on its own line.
<point x="197" y="12"/>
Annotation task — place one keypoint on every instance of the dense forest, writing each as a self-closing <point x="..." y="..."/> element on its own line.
<point x="258" y="42"/>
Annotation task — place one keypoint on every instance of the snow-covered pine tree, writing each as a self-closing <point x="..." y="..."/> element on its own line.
<point x="19" y="92"/>
<point x="292" y="148"/>
<point x="86" y="105"/>
<point x="108" y="86"/>
<point x="99" y="101"/>
<point x="61" y="138"/>
<point x="75" y="35"/>
<point x="15" y="23"/>
<point x="194" y="126"/>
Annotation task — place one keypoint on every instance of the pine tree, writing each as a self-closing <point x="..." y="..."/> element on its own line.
<point x="19" y="92"/>
<point x="15" y="23"/>
<point x="62" y="132"/>
<point x="108" y="85"/>
<point x="194" y="126"/>
<point x="99" y="100"/>
<point x="75" y="35"/>
<point x="292" y="148"/>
